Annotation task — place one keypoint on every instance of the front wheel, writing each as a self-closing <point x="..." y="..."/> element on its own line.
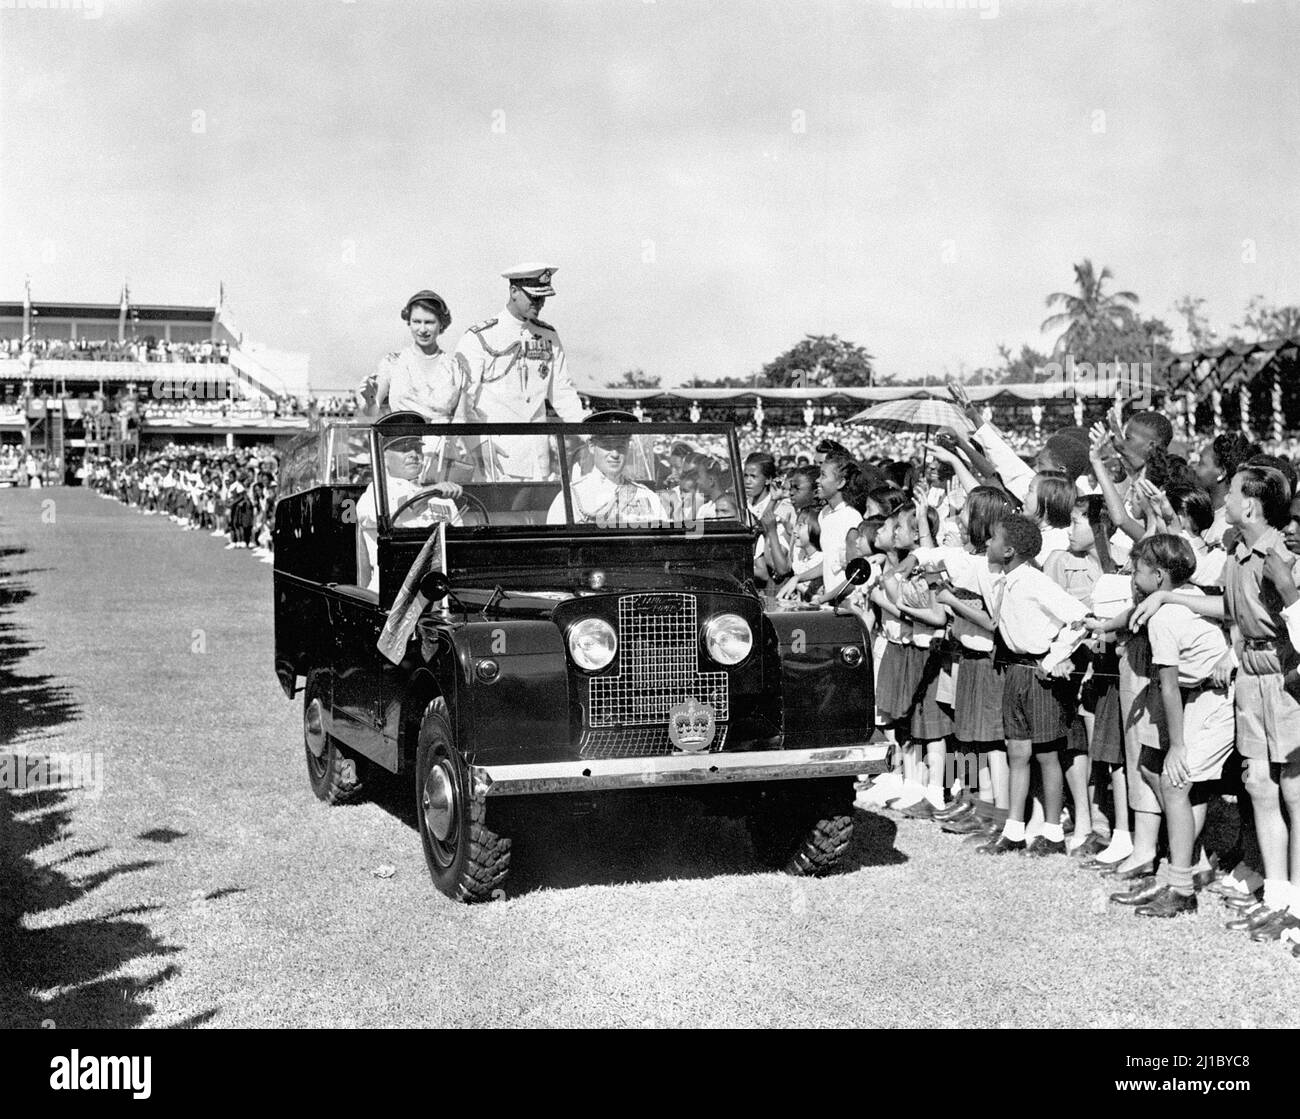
<point x="803" y="831"/>
<point x="336" y="774"/>
<point x="467" y="860"/>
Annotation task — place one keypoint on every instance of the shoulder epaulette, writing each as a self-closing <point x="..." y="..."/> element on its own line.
<point x="486" y="324"/>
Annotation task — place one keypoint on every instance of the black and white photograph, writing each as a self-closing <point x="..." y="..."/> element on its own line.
<point x="651" y="515"/>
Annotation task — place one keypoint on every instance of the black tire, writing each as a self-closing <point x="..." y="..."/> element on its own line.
<point x="467" y="860"/>
<point x="336" y="774"/>
<point x="804" y="832"/>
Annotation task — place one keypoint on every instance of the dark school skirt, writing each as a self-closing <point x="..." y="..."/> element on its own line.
<point x="931" y="720"/>
<point x="1076" y="737"/>
<point x="900" y="673"/>
<point x="1101" y="697"/>
<point x="977" y="705"/>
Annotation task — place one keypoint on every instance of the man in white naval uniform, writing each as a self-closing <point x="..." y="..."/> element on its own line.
<point x="516" y="367"/>
<point x="403" y="462"/>
<point x="606" y="496"/>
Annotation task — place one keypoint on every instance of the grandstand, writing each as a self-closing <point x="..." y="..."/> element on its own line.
<point x="81" y="379"/>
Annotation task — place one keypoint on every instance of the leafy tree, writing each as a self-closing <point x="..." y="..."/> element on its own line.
<point x="1268" y="322"/>
<point x="1017" y="368"/>
<point x="635" y="379"/>
<point x="1087" y="312"/>
<point x="819" y="361"/>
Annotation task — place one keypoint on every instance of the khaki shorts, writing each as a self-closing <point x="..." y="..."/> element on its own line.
<point x="1268" y="719"/>
<point x="1135" y="709"/>
<point x="1209" y="731"/>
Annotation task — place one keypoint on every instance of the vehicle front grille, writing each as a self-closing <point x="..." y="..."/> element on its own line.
<point x="659" y="655"/>
<point x="636" y="742"/>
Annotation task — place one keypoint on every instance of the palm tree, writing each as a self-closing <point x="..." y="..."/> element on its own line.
<point x="1091" y="308"/>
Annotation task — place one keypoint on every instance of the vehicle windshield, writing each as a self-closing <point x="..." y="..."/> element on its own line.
<point x="614" y="475"/>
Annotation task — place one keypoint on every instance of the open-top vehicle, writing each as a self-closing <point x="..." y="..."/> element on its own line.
<point x="515" y="610"/>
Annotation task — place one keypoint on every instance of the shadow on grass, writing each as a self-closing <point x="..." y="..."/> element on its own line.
<point x="630" y="836"/>
<point x="60" y="974"/>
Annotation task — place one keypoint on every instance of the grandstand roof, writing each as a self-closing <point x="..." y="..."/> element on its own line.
<point x="145" y="312"/>
<point x="1042" y="390"/>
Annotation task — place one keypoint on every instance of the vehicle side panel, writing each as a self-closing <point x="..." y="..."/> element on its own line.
<point x="827" y="702"/>
<point x="524" y="713"/>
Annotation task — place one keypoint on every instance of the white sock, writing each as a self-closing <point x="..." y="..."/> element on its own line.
<point x="1033" y="829"/>
<point x="1295" y="899"/>
<point x="1276" y="892"/>
<point x="934" y="794"/>
<point x="1119" y="848"/>
<point x="1053" y="833"/>
<point x="912" y="791"/>
<point x="1014" y="830"/>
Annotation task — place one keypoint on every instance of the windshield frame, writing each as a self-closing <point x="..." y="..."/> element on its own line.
<point x="563" y="432"/>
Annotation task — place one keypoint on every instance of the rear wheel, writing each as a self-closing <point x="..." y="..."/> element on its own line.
<point x="336" y="774"/>
<point x="803" y="831"/>
<point x="467" y="860"/>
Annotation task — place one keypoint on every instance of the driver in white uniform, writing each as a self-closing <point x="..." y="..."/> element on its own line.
<point x="403" y="462"/>
<point x="605" y="496"/>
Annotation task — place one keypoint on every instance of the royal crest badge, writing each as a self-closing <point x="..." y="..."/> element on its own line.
<point x="691" y="726"/>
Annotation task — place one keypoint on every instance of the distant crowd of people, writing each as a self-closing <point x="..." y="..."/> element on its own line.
<point x="149" y="348"/>
<point x="230" y="494"/>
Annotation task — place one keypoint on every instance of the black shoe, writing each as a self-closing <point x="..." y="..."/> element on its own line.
<point x="1143" y="871"/>
<point x="966" y="825"/>
<point x="1143" y="891"/>
<point x="1168" y="903"/>
<point x="1042" y="846"/>
<point x="1243" y="902"/>
<point x="1251" y="918"/>
<point x="1001" y="846"/>
<point x="959" y="810"/>
<point x="1282" y="921"/>
<point x="921" y="810"/>
<point x="1090" y="847"/>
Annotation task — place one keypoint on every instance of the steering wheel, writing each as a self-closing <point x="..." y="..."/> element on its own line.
<point x="467" y="503"/>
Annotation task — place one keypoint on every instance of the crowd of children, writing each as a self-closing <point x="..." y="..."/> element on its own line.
<point x="1079" y="656"/>
<point x="228" y="493"/>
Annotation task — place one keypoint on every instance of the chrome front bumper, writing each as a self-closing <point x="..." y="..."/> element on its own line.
<point x="676" y="769"/>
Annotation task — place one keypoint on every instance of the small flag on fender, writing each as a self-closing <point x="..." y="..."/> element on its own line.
<point x="409" y="604"/>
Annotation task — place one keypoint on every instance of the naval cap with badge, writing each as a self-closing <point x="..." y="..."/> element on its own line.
<point x="534" y="279"/>
<point x="608" y="438"/>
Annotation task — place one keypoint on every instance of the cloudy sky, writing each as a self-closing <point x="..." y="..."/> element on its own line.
<point x="713" y="179"/>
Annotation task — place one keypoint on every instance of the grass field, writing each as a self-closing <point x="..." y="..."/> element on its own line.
<point x="206" y="886"/>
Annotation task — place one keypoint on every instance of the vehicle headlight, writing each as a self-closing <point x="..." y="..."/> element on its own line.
<point x="728" y="638"/>
<point x="592" y="643"/>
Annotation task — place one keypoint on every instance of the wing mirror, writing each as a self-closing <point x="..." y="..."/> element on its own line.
<point x="435" y="586"/>
<point x="858" y="571"/>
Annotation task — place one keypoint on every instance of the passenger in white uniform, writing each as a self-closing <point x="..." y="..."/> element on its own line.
<point x="605" y="496"/>
<point x="403" y="462"/>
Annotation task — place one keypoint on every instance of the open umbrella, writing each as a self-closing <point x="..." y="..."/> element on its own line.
<point x="917" y="413"/>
